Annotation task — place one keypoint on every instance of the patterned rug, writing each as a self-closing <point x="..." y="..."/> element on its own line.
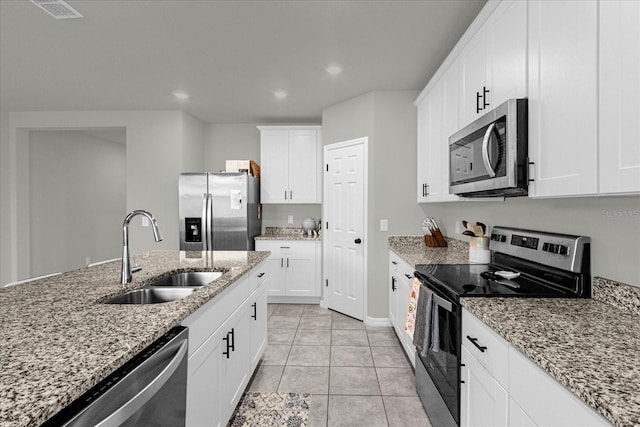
<point x="272" y="409"/>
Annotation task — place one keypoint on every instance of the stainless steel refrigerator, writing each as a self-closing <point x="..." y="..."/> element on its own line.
<point x="219" y="211"/>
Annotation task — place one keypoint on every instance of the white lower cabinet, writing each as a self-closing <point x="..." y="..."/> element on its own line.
<point x="400" y="281"/>
<point x="503" y="387"/>
<point x="227" y="337"/>
<point x="294" y="266"/>
<point x="485" y="400"/>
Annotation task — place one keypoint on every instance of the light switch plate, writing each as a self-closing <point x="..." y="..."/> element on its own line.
<point x="384" y="225"/>
<point x="290" y="219"/>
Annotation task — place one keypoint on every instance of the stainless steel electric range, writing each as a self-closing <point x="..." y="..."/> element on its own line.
<point x="524" y="263"/>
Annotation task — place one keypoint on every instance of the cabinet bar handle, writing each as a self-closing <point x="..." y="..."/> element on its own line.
<point x="290" y="195"/>
<point x="393" y="283"/>
<point x="485" y="91"/>
<point x="287" y="262"/>
<point x="261" y="274"/>
<point x="474" y="341"/>
<point x="285" y="194"/>
<point x="394" y="263"/>
<point x="408" y="276"/>
<point x="233" y="340"/>
<point x="478" y="108"/>
<point x="255" y="311"/>
<point x="281" y="262"/>
<point x="226" y="352"/>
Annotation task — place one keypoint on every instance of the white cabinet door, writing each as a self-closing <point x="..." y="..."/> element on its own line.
<point x="275" y="265"/>
<point x="517" y="417"/>
<point x="563" y="119"/>
<point x="619" y="91"/>
<point x="424" y="111"/>
<point x="304" y="158"/>
<point x="403" y="293"/>
<point x="301" y="263"/>
<point x="203" y="386"/>
<point x="290" y="164"/>
<point x="393" y="290"/>
<point x="473" y="71"/>
<point x="507" y="69"/>
<point x="234" y="352"/>
<point x="274" y="166"/>
<point x="483" y="402"/>
<point x="257" y="312"/>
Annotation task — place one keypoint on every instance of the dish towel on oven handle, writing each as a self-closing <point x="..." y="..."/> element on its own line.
<point x="410" y="319"/>
<point x="426" y="335"/>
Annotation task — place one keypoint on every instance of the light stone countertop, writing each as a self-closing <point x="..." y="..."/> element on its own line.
<point x="286" y="233"/>
<point x="591" y="346"/>
<point x="59" y="340"/>
<point x="413" y="250"/>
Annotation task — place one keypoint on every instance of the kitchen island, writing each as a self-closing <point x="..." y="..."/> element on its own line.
<point x="59" y="339"/>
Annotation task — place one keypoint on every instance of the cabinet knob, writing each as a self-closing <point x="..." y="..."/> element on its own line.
<point x="357" y="241"/>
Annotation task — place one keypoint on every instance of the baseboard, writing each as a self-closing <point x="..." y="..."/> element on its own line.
<point x="377" y="321"/>
<point x="274" y="299"/>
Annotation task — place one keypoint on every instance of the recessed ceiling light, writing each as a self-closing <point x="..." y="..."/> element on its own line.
<point x="280" y="94"/>
<point x="334" y="70"/>
<point x="181" y="95"/>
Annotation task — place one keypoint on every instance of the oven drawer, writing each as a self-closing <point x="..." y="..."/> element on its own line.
<point x="489" y="349"/>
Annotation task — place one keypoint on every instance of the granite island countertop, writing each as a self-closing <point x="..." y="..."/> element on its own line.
<point x="59" y="340"/>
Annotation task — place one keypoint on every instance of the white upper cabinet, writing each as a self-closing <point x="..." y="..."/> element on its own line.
<point x="619" y="92"/>
<point x="563" y="109"/>
<point x="290" y="164"/>
<point x="493" y="65"/>
<point x="437" y="120"/>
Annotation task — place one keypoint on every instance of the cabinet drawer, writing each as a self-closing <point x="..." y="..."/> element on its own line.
<point x="257" y="276"/>
<point x="404" y="271"/>
<point x="210" y="316"/>
<point x="489" y="349"/>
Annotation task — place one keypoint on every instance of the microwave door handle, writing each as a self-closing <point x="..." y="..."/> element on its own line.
<point x="485" y="150"/>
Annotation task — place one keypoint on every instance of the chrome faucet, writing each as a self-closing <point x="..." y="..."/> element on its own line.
<point x="126" y="261"/>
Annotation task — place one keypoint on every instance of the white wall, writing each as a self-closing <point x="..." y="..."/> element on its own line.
<point x="389" y="120"/>
<point x="5" y="210"/>
<point x="155" y="157"/>
<point x="242" y="142"/>
<point x="74" y="216"/>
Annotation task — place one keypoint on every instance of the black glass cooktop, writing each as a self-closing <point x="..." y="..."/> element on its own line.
<point x="479" y="280"/>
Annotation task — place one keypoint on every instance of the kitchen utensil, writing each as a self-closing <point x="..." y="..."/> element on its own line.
<point x="507" y="274"/>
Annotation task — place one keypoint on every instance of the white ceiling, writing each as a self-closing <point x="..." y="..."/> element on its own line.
<point x="229" y="55"/>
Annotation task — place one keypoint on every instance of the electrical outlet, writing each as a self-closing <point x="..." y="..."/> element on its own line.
<point x="145" y="221"/>
<point x="87" y="261"/>
<point x="384" y="225"/>
<point x="459" y="229"/>
<point x="290" y="219"/>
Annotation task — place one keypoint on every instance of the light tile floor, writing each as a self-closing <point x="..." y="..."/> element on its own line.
<point x="358" y="375"/>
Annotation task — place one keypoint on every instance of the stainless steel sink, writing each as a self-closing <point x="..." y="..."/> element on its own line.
<point x="148" y="295"/>
<point x="193" y="278"/>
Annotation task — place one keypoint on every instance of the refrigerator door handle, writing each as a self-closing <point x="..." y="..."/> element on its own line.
<point x="209" y="226"/>
<point x="205" y="228"/>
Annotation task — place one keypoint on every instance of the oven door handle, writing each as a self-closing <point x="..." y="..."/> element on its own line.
<point x="443" y="303"/>
<point x="485" y="150"/>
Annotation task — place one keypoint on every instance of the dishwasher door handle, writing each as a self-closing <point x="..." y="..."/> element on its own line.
<point x="143" y="396"/>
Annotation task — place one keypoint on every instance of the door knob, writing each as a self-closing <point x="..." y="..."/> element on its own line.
<point x="358" y="241"/>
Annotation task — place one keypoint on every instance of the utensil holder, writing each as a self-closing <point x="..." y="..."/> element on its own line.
<point x="436" y="240"/>
<point x="479" y="250"/>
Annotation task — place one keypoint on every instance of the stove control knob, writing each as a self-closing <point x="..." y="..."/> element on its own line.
<point x="545" y="247"/>
<point x="563" y="250"/>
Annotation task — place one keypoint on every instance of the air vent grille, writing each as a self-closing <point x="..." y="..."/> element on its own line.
<point x="59" y="9"/>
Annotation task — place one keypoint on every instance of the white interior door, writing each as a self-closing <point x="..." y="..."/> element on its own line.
<point x="345" y="237"/>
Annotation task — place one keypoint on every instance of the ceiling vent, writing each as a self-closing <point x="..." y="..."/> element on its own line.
<point x="59" y="9"/>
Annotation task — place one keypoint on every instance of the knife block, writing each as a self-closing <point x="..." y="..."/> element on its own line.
<point x="436" y="240"/>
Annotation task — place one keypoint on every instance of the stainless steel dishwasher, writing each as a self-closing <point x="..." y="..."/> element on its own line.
<point x="149" y="390"/>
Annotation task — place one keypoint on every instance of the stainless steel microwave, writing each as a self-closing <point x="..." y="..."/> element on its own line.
<point x="489" y="156"/>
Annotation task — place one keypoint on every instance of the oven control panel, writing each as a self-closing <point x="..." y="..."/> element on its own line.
<point x="558" y="250"/>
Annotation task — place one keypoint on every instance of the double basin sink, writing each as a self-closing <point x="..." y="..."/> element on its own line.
<point x="167" y="289"/>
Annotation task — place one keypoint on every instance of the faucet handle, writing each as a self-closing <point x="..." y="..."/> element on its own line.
<point x="135" y="267"/>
